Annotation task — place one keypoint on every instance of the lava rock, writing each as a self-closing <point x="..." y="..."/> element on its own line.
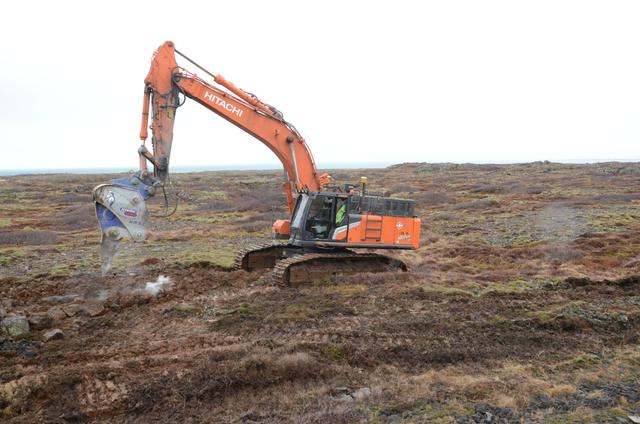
<point x="56" y="300"/>
<point x="629" y="390"/>
<point x="72" y="309"/>
<point x="56" y="313"/>
<point x="40" y="321"/>
<point x="93" y="309"/>
<point x="491" y="414"/>
<point x="343" y="398"/>
<point x="26" y="348"/>
<point x="15" y="326"/>
<point x="53" y="334"/>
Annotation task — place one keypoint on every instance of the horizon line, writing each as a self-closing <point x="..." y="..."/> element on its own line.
<point x="275" y="166"/>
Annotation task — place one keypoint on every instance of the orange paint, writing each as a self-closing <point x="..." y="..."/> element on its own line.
<point x="166" y="80"/>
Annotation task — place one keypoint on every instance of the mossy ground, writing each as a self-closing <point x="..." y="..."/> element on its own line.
<point x="487" y="320"/>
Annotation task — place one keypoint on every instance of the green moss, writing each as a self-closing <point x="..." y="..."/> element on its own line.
<point x="293" y="313"/>
<point x="335" y="352"/>
<point x="582" y="361"/>
<point x="560" y="420"/>
<point x="209" y="195"/>
<point x="60" y="270"/>
<point x="341" y="289"/>
<point x="574" y="308"/>
<point x="514" y="286"/>
<point x="473" y="288"/>
<point x="214" y="218"/>
<point x="242" y="309"/>
<point x="98" y="323"/>
<point x="616" y="412"/>
<point x="444" y="289"/>
<point x="432" y="412"/>
<point x="611" y="219"/>
<point x="223" y="256"/>
<point x="542" y="315"/>
<point x="186" y="309"/>
<point x="493" y="320"/>
<point x="445" y="413"/>
<point x="236" y="315"/>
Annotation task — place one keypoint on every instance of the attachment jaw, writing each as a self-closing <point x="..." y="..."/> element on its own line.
<point x="122" y="214"/>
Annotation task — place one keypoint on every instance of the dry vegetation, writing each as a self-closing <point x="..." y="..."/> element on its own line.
<point x="523" y="305"/>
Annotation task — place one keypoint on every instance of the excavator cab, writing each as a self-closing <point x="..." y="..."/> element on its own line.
<point x="317" y="216"/>
<point x="333" y="219"/>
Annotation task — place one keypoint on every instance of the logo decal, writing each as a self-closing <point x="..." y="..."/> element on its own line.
<point x="404" y="236"/>
<point x="129" y="212"/>
<point x="222" y="104"/>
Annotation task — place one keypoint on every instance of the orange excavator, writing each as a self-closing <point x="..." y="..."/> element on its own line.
<point x="326" y="221"/>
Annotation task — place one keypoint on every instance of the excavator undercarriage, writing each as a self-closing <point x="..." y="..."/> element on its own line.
<point x="292" y="265"/>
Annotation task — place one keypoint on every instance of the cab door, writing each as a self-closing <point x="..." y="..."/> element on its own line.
<point x="319" y="221"/>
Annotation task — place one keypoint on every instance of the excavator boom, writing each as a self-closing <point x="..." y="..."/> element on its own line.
<point x="166" y="80"/>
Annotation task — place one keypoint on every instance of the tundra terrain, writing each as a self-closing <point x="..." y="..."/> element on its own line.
<point x="522" y="305"/>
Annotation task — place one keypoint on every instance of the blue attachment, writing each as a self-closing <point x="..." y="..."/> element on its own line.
<point x="106" y="218"/>
<point x="142" y="188"/>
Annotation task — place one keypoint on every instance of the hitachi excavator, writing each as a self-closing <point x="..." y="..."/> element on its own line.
<point x="326" y="221"/>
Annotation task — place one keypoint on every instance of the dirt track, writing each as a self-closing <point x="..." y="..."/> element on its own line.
<point x="525" y="327"/>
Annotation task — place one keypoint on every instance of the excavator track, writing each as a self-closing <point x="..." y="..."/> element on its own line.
<point x="260" y="255"/>
<point x="308" y="267"/>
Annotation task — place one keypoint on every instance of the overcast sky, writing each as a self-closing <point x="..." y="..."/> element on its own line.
<point x="368" y="81"/>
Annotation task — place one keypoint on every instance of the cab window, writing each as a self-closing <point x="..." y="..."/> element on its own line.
<point x="319" y="217"/>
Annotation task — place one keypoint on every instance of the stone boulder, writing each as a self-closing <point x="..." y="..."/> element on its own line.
<point x="14" y="326"/>
<point x="53" y="334"/>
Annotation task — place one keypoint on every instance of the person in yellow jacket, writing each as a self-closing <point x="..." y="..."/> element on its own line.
<point x="341" y="212"/>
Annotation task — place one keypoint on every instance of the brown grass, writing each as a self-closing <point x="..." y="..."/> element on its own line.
<point x="476" y="204"/>
<point x="32" y="238"/>
<point x="75" y="218"/>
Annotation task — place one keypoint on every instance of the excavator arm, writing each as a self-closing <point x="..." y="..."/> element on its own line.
<point x="120" y="205"/>
<point x="166" y="80"/>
